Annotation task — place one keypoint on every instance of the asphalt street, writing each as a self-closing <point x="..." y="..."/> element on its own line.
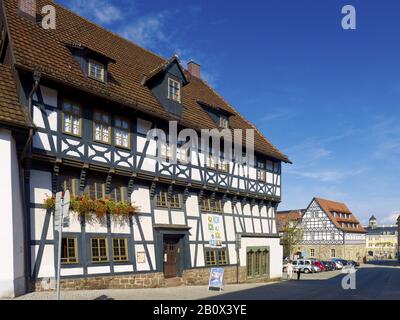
<point x="378" y="281"/>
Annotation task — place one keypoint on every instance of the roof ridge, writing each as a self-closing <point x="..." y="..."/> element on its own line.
<point x="334" y="201"/>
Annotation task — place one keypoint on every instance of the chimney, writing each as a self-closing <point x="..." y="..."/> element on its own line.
<point x="194" y="68"/>
<point x="27" y="8"/>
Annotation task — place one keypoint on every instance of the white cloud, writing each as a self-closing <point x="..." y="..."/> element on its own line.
<point x="100" y="11"/>
<point x="148" y="31"/>
<point x="328" y="175"/>
<point x="278" y="113"/>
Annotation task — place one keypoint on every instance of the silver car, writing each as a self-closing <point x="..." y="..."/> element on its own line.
<point x="303" y="265"/>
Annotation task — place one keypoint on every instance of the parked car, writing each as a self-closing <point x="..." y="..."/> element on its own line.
<point x="342" y="261"/>
<point x="305" y="266"/>
<point x="338" y="265"/>
<point x="320" y="265"/>
<point x="329" y="265"/>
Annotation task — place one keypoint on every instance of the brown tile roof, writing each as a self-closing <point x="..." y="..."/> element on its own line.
<point x="11" y="112"/>
<point x="46" y="50"/>
<point x="282" y="217"/>
<point x="331" y="206"/>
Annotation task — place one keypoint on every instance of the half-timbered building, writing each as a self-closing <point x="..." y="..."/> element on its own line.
<point x="77" y="104"/>
<point x="330" y="230"/>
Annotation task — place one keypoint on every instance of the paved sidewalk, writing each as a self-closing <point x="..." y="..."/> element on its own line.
<point x="173" y="293"/>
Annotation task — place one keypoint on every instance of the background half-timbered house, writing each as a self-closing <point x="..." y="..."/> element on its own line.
<point x="329" y="230"/>
<point x="76" y="105"/>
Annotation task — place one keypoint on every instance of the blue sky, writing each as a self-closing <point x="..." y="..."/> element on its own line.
<point x="327" y="97"/>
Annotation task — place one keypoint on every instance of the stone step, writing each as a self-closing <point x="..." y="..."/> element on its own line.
<point x="174" y="282"/>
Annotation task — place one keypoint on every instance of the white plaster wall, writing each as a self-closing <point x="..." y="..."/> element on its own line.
<point x="141" y="197"/>
<point x="38" y="217"/>
<point x="178" y="217"/>
<point x="161" y="216"/>
<point x="12" y="272"/>
<point x="97" y="270"/>
<point x="192" y="206"/>
<point x="96" y="227"/>
<point x="123" y="268"/>
<point x="71" y="271"/>
<point x="46" y="267"/>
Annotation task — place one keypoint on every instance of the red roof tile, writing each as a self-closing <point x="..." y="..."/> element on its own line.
<point x="46" y="50"/>
<point x="331" y="206"/>
<point x="11" y="112"/>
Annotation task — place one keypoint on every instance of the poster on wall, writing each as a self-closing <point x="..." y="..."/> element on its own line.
<point x="140" y="257"/>
<point x="215" y="229"/>
<point x="216" y="279"/>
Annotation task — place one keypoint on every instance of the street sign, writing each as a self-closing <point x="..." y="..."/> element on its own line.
<point x="66" y="203"/>
<point x="57" y="211"/>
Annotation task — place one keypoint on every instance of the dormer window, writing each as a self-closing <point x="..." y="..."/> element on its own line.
<point x="174" y="90"/>
<point x="223" y="122"/>
<point x="96" y="70"/>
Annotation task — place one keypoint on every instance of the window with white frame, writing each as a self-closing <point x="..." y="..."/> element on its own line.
<point x="333" y="253"/>
<point x="174" y="90"/>
<point x="96" y="70"/>
<point x="121" y="132"/>
<point x="312" y="252"/>
<point x="261" y="173"/>
<point x="101" y="126"/>
<point x="223" y="122"/>
<point x="72" y="118"/>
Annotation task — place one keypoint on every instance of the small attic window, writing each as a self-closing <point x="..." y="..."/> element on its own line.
<point x="96" y="70"/>
<point x="174" y="90"/>
<point x="223" y="122"/>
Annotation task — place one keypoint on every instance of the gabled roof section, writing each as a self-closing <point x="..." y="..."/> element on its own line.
<point x="164" y="66"/>
<point x="11" y="112"/>
<point x="35" y="48"/>
<point x="329" y="207"/>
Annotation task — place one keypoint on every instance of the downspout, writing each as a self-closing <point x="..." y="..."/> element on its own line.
<point x="24" y="194"/>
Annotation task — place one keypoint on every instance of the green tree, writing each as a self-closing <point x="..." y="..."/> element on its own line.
<point x="292" y="233"/>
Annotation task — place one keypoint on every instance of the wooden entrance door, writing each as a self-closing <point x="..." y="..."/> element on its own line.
<point x="171" y="257"/>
